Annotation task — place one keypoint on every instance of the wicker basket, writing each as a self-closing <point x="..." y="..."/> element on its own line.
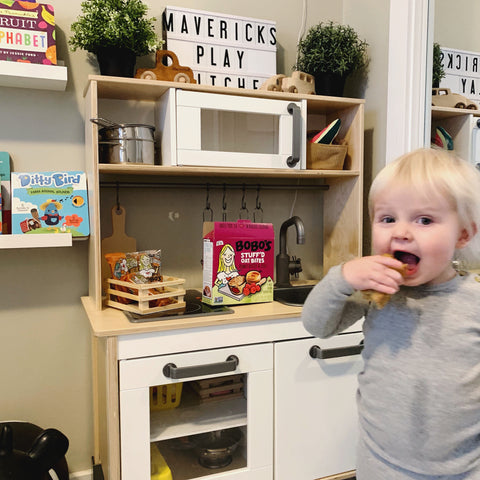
<point x="325" y="157"/>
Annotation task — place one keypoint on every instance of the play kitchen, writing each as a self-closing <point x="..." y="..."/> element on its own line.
<point x="215" y="393"/>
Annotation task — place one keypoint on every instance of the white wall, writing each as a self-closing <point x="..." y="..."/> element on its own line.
<point x="45" y="346"/>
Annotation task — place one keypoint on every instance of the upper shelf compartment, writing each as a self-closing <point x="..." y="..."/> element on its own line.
<point x="33" y="75"/>
<point x="216" y="125"/>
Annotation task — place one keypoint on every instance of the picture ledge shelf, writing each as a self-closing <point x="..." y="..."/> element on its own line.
<point x="33" y="75"/>
<point x="36" y="241"/>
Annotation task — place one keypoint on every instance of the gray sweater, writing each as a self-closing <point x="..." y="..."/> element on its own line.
<point x="419" y="392"/>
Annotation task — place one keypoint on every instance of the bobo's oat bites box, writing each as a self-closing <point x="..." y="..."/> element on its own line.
<point x="50" y="202"/>
<point x="238" y="262"/>
<point x="27" y="32"/>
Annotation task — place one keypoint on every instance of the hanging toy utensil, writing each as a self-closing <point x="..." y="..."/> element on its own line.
<point x="207" y="211"/>
<point x="224" y="203"/>
<point x="243" y="209"/>
<point x="258" y="212"/>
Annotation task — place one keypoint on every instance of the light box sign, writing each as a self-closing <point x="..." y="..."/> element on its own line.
<point x="222" y="50"/>
<point x="462" y="72"/>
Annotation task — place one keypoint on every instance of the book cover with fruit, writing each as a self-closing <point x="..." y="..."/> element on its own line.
<point x="27" y="32"/>
<point x="50" y="202"/>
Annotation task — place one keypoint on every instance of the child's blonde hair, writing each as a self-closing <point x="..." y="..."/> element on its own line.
<point x="438" y="172"/>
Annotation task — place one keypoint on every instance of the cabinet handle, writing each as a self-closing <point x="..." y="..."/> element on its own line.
<point x="317" y="352"/>
<point x="297" y="127"/>
<point x="229" y="365"/>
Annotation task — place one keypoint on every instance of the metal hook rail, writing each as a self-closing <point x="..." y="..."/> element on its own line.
<point x="239" y="186"/>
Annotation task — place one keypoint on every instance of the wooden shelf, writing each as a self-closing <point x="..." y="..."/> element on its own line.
<point x="36" y="241"/>
<point x="446" y="112"/>
<point x="190" y="420"/>
<point x="137" y="169"/>
<point x="150" y="90"/>
<point x="33" y="75"/>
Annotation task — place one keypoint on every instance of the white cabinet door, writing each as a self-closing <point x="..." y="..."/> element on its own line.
<point x="252" y="412"/>
<point x="315" y="408"/>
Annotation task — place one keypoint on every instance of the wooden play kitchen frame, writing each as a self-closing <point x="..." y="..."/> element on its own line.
<point x="118" y="345"/>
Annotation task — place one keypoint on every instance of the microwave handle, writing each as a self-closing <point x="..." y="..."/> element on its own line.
<point x="294" y="110"/>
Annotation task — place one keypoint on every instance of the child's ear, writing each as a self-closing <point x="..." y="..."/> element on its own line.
<point x="466" y="236"/>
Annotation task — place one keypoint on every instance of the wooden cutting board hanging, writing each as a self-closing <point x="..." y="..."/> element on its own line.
<point x="119" y="241"/>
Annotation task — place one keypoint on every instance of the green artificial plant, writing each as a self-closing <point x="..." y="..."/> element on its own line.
<point x="331" y="48"/>
<point x="114" y="23"/>
<point x="437" y="71"/>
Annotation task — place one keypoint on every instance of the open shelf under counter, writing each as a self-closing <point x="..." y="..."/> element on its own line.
<point x="138" y="169"/>
<point x="194" y="419"/>
<point x="43" y="240"/>
<point x="33" y="76"/>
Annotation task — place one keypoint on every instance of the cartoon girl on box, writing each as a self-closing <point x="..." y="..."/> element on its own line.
<point x="226" y="265"/>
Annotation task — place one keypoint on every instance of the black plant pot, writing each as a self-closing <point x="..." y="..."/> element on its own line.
<point x="330" y="84"/>
<point x="117" y="62"/>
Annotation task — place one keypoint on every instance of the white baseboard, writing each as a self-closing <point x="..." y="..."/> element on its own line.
<point x="83" y="475"/>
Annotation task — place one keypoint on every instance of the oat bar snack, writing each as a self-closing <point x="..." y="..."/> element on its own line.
<point x="381" y="299"/>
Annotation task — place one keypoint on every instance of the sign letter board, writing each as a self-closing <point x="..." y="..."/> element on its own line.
<point x="222" y="50"/>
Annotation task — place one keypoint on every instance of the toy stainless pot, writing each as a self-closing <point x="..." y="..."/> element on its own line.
<point x="215" y="449"/>
<point x="126" y="142"/>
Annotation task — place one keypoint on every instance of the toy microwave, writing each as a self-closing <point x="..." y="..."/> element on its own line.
<point x="216" y="130"/>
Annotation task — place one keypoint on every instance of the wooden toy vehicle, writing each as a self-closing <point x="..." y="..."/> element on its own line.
<point x="299" y="82"/>
<point x="273" y="84"/>
<point x="443" y="97"/>
<point x="167" y="68"/>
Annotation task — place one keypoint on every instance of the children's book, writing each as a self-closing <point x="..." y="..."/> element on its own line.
<point x="50" y="202"/>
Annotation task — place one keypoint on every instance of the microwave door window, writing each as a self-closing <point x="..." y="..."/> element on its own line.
<point x="243" y="132"/>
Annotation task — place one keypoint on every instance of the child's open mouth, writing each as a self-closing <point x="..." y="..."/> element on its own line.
<point x="409" y="259"/>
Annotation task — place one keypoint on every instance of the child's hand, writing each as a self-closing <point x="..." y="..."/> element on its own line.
<point x="374" y="273"/>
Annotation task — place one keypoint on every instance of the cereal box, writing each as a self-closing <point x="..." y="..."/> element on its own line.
<point x="238" y="262"/>
<point x="27" y="32"/>
<point x="50" y="202"/>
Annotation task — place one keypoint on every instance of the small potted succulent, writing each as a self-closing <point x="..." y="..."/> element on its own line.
<point x="330" y="52"/>
<point x="116" y="31"/>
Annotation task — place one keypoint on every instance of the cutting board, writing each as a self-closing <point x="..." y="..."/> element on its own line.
<point x="119" y="241"/>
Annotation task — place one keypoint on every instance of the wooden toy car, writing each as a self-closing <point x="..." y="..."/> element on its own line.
<point x="299" y="82"/>
<point x="273" y="84"/>
<point x="443" y="97"/>
<point x="167" y="68"/>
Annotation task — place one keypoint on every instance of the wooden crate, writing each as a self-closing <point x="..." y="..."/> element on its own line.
<point x="220" y="388"/>
<point x="140" y="298"/>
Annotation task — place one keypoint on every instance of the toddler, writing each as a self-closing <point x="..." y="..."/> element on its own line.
<point x="418" y="395"/>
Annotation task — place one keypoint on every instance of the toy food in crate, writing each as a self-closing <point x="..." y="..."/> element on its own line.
<point x="219" y="388"/>
<point x="138" y="286"/>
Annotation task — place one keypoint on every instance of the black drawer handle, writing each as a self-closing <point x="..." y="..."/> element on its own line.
<point x="170" y="370"/>
<point x="317" y="352"/>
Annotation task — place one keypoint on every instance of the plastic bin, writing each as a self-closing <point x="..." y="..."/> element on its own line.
<point x="167" y="396"/>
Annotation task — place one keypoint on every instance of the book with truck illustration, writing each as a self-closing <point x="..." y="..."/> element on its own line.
<point x="50" y="202"/>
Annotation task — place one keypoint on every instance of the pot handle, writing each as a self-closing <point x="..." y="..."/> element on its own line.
<point x="103" y="122"/>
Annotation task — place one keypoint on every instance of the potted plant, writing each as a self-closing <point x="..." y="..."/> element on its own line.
<point x="330" y="52"/>
<point x="437" y="71"/>
<point x="116" y="31"/>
